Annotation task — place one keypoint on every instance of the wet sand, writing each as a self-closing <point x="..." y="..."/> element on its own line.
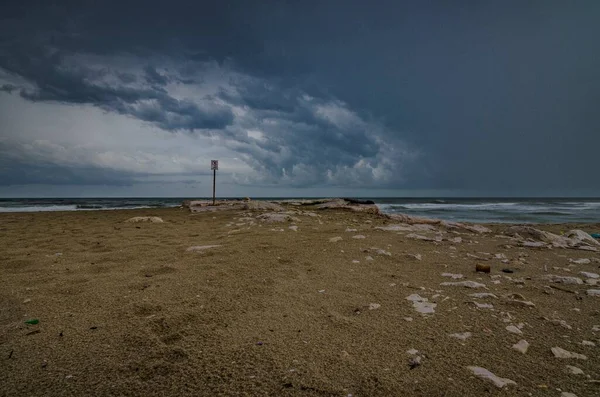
<point x="126" y="309"/>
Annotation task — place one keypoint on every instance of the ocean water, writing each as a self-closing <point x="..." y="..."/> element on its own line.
<point x="477" y="210"/>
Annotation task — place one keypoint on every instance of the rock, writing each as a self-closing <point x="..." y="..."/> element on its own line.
<point x="151" y="219"/>
<point x="415" y="256"/>
<point x="533" y="244"/>
<point x="407" y="228"/>
<point x="490" y="377"/>
<point x="593" y="292"/>
<point x="348" y="230"/>
<point x="483" y="305"/>
<point x="271" y="217"/>
<point x="262" y="206"/>
<point x="358" y="236"/>
<point x="514" y="330"/>
<point x="369" y="258"/>
<point x="562" y="353"/>
<point x="506" y="270"/>
<point x="461" y="336"/>
<point x="521" y="303"/>
<point x="346" y="205"/>
<point x="562" y="279"/>
<point x="589" y="275"/>
<point x="335" y="239"/>
<point x="482" y="295"/>
<point x="466" y="284"/>
<point x="482" y="268"/>
<point x="419" y="237"/>
<point x="567" y="394"/>
<point x="412" y="352"/>
<point x="374" y="306"/>
<point x="409" y="319"/>
<point x="574" y="370"/>
<point x="200" y="248"/>
<point x="580" y="235"/>
<point x="380" y="251"/>
<point x="452" y="275"/>
<point x="422" y="305"/>
<point x="588" y="343"/>
<point x="521" y="346"/>
<point x="294" y="228"/>
<point x="456" y="240"/>
<point x="582" y="261"/>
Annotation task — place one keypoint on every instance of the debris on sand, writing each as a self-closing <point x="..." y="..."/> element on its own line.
<point x="514" y="330"/>
<point x="521" y="346"/>
<point x="461" y="336"/>
<point x="562" y="353"/>
<point x="271" y="217"/>
<point x="151" y="219"/>
<point x="490" y="377"/>
<point x="200" y="248"/>
<point x="422" y="305"/>
<point x="466" y="284"/>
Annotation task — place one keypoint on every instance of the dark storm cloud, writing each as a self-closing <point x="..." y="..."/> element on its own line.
<point x="496" y="95"/>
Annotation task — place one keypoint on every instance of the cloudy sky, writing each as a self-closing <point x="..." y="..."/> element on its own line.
<point x="299" y="98"/>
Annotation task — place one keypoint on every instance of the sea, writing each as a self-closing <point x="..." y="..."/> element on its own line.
<point x="476" y="210"/>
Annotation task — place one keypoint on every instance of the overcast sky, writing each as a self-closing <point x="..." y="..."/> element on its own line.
<point x="300" y="98"/>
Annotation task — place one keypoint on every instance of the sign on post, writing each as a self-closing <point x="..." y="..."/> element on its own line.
<point x="214" y="166"/>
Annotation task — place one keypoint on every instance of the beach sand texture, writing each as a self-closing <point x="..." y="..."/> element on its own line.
<point x="127" y="308"/>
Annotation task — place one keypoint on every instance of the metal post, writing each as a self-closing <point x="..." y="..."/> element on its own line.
<point x="214" y="179"/>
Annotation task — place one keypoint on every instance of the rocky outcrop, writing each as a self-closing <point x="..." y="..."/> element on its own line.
<point x="532" y="237"/>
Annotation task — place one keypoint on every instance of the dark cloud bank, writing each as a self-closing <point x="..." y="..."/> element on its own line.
<point x="498" y="97"/>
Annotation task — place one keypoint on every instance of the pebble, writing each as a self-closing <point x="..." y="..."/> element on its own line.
<point x="593" y="292"/>
<point x="351" y="230"/>
<point x="588" y="343"/>
<point x="294" y="228"/>
<point x="461" y="336"/>
<point x="484" y="305"/>
<point x="452" y="275"/>
<point x="490" y="377"/>
<point x="582" y="261"/>
<point x="483" y="295"/>
<point x="358" y="236"/>
<point x="514" y="330"/>
<point x="567" y="394"/>
<point x="355" y="261"/>
<point x="589" y="275"/>
<point x="27" y="300"/>
<point x="574" y="370"/>
<point x="562" y="353"/>
<point x="521" y="346"/>
<point x="369" y="258"/>
<point x="335" y="239"/>
<point x="374" y="306"/>
<point x="422" y="305"/>
<point x="466" y="284"/>
<point x="563" y="279"/>
<point x="409" y="319"/>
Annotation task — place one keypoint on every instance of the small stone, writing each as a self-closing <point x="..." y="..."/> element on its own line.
<point x="358" y="236"/>
<point x="490" y="377"/>
<point x="588" y="343"/>
<point x="461" y="336"/>
<point x="563" y="279"/>
<point x="369" y="258"/>
<point x="374" y="306"/>
<point x="483" y="295"/>
<point x="574" y="370"/>
<point x="27" y="300"/>
<point x="593" y="292"/>
<point x="466" y="284"/>
<point x="562" y="353"/>
<point x="335" y="239"/>
<point x="351" y="230"/>
<point x="521" y="346"/>
<point x="514" y="330"/>
<point x="567" y="394"/>
<point x="412" y="352"/>
<point x="409" y="319"/>
<point x="294" y="228"/>
<point x="582" y="261"/>
<point x="481" y="268"/>
<point x="355" y="261"/>
<point x="452" y="275"/>
<point x="507" y="270"/>
<point x="484" y="305"/>
<point x="589" y="275"/>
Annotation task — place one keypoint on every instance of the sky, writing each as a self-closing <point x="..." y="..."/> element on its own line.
<point x="299" y="98"/>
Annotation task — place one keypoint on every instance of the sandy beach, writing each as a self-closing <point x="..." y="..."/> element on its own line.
<point x="324" y="303"/>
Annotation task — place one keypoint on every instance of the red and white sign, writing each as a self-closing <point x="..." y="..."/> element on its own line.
<point x="214" y="164"/>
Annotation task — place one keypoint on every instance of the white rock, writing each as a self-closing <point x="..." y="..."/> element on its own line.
<point x="380" y="251"/>
<point x="452" y="275"/>
<point x="412" y="352"/>
<point x="484" y="305"/>
<point x="567" y="394"/>
<point x="562" y="279"/>
<point x="589" y="275"/>
<point x="419" y="237"/>
<point x="582" y="261"/>
<point x="374" y="306"/>
<point x="335" y="239"/>
<point x="562" y="353"/>
<point x="456" y="240"/>
<point x="355" y="261"/>
<point x="588" y="343"/>
<point x="521" y="346"/>
<point x="574" y="370"/>
<point x="409" y="319"/>
<point x="358" y="236"/>
<point x="490" y="377"/>
<point x="369" y="258"/>
<point x="483" y="295"/>
<point x="294" y="228"/>
<point x="466" y="284"/>
<point x="514" y="330"/>
<point x="151" y="219"/>
<point x="500" y="256"/>
<point x="593" y="292"/>
<point x="416" y="256"/>
<point x="596" y="328"/>
<point x="422" y="305"/>
<point x="461" y="336"/>
<point x="351" y="230"/>
<point x="199" y="248"/>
